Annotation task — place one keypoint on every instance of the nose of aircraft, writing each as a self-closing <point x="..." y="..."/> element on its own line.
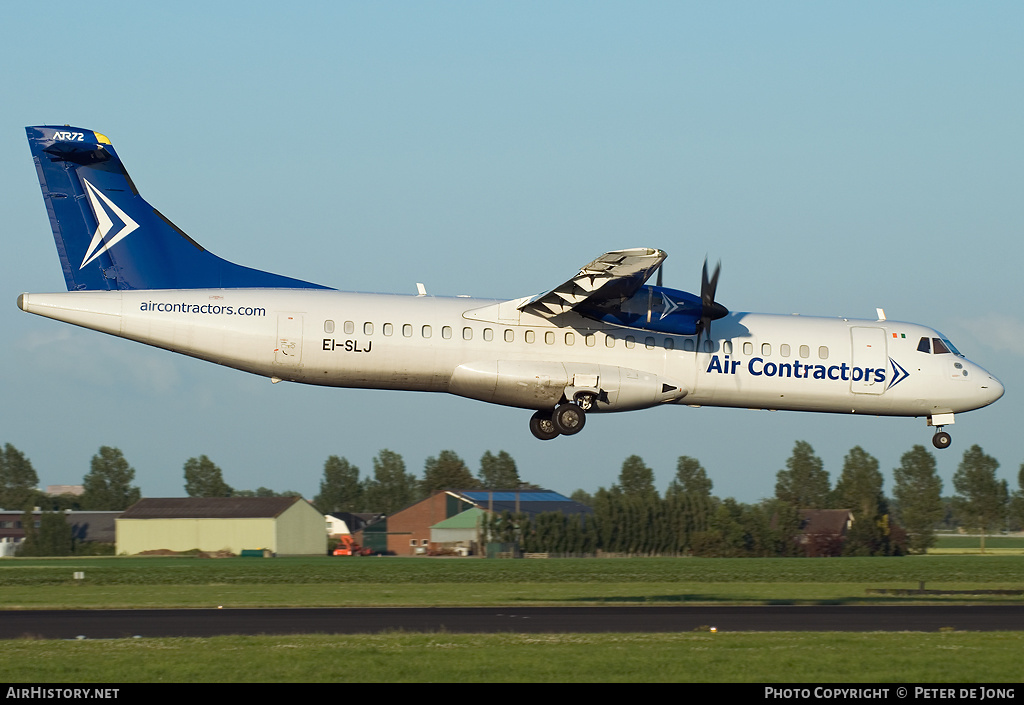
<point x="991" y="388"/>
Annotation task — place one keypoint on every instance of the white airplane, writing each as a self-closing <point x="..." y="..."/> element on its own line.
<point x="603" y="341"/>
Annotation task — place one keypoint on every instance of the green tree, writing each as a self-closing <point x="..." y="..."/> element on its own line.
<point x="1017" y="502"/>
<point x="583" y="497"/>
<point x="498" y="472"/>
<point x="108" y="484"/>
<point x="340" y="490"/>
<point x="391" y="488"/>
<point x="804" y="483"/>
<point x="918" y="493"/>
<point x="204" y="479"/>
<point x="981" y="498"/>
<point x="53" y="536"/>
<point x="18" y="479"/>
<point x="446" y="471"/>
<point x="691" y="478"/>
<point x="859" y="487"/>
<point x="636" y="479"/>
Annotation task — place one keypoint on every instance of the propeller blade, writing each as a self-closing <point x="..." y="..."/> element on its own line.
<point x="709" y="286"/>
<point x="710" y="310"/>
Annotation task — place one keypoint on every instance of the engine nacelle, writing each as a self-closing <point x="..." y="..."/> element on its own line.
<point x="543" y="385"/>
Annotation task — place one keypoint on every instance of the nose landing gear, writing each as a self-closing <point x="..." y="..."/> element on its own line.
<point x="941" y="439"/>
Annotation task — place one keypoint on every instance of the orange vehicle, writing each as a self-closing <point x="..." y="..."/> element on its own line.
<point x="348" y="547"/>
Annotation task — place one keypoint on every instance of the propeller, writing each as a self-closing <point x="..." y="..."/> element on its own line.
<point x="710" y="310"/>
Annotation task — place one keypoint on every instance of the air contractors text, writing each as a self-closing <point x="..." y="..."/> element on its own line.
<point x="206" y="309"/>
<point x="757" y="367"/>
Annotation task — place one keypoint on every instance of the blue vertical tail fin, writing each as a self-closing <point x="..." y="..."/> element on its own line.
<point x="109" y="237"/>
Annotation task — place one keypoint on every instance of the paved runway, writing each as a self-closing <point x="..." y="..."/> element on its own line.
<point x="106" y="624"/>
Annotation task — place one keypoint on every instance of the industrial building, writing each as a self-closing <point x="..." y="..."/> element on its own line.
<point x="283" y="526"/>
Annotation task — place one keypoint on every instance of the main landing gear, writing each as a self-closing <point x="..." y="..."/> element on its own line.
<point x="566" y="420"/>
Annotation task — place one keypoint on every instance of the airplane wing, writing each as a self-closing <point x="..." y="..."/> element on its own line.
<point x="613" y="275"/>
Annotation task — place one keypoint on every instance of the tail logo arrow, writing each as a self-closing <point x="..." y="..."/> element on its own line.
<point x="103" y="239"/>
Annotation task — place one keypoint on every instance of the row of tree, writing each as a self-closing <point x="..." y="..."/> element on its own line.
<point x="631" y="516"/>
<point x="107" y="485"/>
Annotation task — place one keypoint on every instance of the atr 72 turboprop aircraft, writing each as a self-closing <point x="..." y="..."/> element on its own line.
<point x="603" y="341"/>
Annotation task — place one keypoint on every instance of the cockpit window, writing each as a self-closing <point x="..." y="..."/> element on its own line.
<point x="938" y="346"/>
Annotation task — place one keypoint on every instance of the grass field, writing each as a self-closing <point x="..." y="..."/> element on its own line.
<point x="998" y="545"/>
<point x="949" y="657"/>
<point x="952" y="657"/>
<point x="325" y="581"/>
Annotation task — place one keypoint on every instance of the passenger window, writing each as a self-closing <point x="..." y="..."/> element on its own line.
<point x="549" y="338"/>
<point x="709" y="346"/>
<point x="488" y="334"/>
<point x="630" y="342"/>
<point x="407" y="330"/>
<point x="388" y="329"/>
<point x="570" y="339"/>
<point x="467" y="333"/>
<point x="649" y="343"/>
<point x="446" y="332"/>
<point x="784" y="350"/>
<point x="766" y="348"/>
<point x="367" y="328"/>
<point x="924" y="345"/>
<point x="688" y="345"/>
<point x="748" y="348"/>
<point x="609" y="341"/>
<point x="529" y="336"/>
<point x="805" y="351"/>
<point x="426" y="331"/>
<point x="670" y="344"/>
<point x="823" y="352"/>
<point x="590" y="340"/>
<point x="727" y="347"/>
<point x="510" y="335"/>
<point x="350" y="327"/>
<point x="328" y="326"/>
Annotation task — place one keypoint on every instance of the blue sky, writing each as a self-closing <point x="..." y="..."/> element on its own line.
<point x="834" y="157"/>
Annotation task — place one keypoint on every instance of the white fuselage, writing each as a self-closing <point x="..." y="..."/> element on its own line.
<point x="492" y="351"/>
